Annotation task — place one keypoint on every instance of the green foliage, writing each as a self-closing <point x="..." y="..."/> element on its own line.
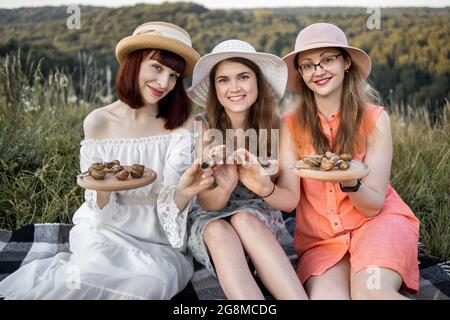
<point x="410" y="52"/>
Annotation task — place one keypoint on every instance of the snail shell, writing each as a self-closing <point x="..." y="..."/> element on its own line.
<point x="122" y="175"/>
<point x="335" y="159"/>
<point x="98" y="174"/>
<point x="346" y="157"/>
<point x="330" y="155"/>
<point x="326" y="164"/>
<point x="97" y="166"/>
<point x="137" y="170"/>
<point x="116" y="169"/>
<point x="344" y="165"/>
<point x="311" y="161"/>
<point x="113" y="163"/>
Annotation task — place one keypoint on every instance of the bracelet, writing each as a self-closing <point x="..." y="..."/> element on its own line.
<point x="351" y="188"/>
<point x="274" y="185"/>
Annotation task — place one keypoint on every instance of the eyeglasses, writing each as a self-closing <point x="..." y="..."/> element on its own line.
<point x="308" y="68"/>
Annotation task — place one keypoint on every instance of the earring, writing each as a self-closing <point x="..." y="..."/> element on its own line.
<point x="346" y="71"/>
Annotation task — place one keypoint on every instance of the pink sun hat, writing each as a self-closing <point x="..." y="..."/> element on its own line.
<point x="323" y="35"/>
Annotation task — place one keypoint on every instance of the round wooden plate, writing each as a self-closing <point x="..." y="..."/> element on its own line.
<point x="357" y="170"/>
<point x="111" y="183"/>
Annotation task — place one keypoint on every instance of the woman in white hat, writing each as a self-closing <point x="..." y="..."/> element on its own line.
<point x="131" y="244"/>
<point x="357" y="238"/>
<point x="239" y="88"/>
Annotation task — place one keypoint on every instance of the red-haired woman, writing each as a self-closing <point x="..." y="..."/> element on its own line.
<point x="131" y="244"/>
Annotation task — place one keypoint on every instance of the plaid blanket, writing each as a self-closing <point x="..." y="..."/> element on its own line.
<point x="38" y="241"/>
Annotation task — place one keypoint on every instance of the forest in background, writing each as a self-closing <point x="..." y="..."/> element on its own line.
<point x="410" y="51"/>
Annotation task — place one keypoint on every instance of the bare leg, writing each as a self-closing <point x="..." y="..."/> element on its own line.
<point x="269" y="258"/>
<point x="376" y="284"/>
<point x="334" y="284"/>
<point x="229" y="260"/>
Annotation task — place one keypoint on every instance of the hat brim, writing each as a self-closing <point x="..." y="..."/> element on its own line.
<point x="137" y="42"/>
<point x="272" y="68"/>
<point x="358" y="56"/>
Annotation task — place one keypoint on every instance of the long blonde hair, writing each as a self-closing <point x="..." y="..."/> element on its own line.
<point x="356" y="92"/>
<point x="262" y="114"/>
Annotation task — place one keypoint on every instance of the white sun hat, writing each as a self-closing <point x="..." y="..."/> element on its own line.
<point x="273" y="68"/>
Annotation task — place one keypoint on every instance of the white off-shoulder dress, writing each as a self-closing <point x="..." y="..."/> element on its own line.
<point x="133" y="248"/>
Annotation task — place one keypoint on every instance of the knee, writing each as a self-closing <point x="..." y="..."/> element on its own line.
<point x="243" y="220"/>
<point x="218" y="232"/>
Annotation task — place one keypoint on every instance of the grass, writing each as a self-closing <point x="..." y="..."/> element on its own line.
<point x="41" y="128"/>
<point x="421" y="174"/>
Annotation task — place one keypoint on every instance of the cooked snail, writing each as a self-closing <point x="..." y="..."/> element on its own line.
<point x="99" y="170"/>
<point x="97" y="166"/>
<point x="137" y="170"/>
<point x="326" y="162"/>
<point x="97" y="174"/>
<point x="346" y="157"/>
<point x="122" y="175"/>
<point x="344" y="165"/>
<point x="116" y="169"/>
<point x="113" y="163"/>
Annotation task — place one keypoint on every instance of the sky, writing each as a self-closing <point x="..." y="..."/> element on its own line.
<point x="233" y="4"/>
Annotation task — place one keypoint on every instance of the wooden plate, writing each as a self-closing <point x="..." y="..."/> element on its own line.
<point x="111" y="183"/>
<point x="357" y="170"/>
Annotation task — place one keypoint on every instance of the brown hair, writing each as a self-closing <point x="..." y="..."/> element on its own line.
<point x="262" y="114"/>
<point x="356" y="93"/>
<point x="175" y="107"/>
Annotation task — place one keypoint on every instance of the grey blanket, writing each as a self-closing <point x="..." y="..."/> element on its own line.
<point x="40" y="241"/>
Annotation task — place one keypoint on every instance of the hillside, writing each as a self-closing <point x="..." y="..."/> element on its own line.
<point x="410" y="52"/>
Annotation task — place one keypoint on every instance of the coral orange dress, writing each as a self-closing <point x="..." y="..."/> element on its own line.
<point x="328" y="225"/>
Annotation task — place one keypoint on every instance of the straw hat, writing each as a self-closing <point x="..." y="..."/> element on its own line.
<point x="272" y="68"/>
<point x="322" y="35"/>
<point x="160" y="35"/>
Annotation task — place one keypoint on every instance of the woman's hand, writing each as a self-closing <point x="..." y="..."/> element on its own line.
<point x="194" y="180"/>
<point x="103" y="198"/>
<point x="252" y="174"/>
<point x="226" y="177"/>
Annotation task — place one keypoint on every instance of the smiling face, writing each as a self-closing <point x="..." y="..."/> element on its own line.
<point x="236" y="87"/>
<point x="326" y="79"/>
<point x="155" y="81"/>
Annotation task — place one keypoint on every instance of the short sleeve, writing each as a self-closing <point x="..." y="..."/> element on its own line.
<point x="179" y="157"/>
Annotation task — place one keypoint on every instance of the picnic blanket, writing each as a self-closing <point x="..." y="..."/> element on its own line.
<point x="39" y="241"/>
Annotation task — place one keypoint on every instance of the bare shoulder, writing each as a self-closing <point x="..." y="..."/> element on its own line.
<point x="383" y="120"/>
<point x="382" y="124"/>
<point x="96" y="122"/>
<point x="382" y="130"/>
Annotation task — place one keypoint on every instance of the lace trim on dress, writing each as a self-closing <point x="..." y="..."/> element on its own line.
<point x="106" y="212"/>
<point x="172" y="220"/>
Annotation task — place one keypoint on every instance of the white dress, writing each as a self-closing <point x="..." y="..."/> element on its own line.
<point x="133" y="248"/>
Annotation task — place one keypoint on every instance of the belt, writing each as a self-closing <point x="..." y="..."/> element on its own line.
<point x="132" y="200"/>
